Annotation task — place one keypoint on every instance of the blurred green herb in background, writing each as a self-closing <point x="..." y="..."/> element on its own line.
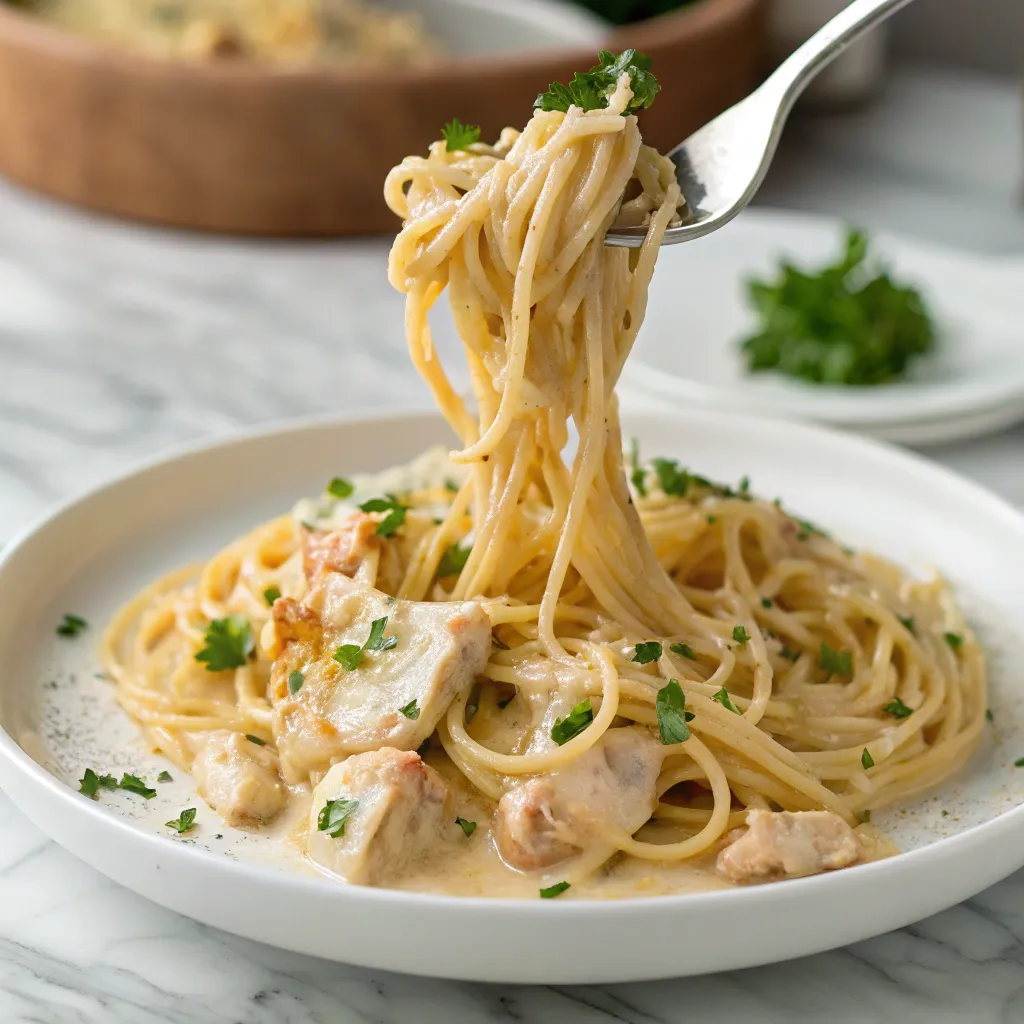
<point x="848" y="323"/>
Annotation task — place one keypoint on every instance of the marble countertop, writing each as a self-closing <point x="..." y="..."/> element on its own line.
<point x="117" y="341"/>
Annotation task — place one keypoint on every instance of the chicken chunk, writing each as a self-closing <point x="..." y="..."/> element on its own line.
<point x="397" y="808"/>
<point x="553" y="817"/>
<point x="392" y="696"/>
<point x="788" y="844"/>
<point x="342" y="550"/>
<point x="238" y="778"/>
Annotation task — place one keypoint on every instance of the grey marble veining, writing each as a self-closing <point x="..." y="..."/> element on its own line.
<point x="117" y="341"/>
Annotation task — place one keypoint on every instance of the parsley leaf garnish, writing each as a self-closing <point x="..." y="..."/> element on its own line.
<point x="590" y="91"/>
<point x="674" y="481"/>
<point x="184" y="822"/>
<point x="295" y="681"/>
<point x="646" y="652"/>
<point x="848" y="323"/>
<point x="766" y="602"/>
<point x="740" y="634"/>
<point x="411" y="710"/>
<point x="574" y="723"/>
<point x="72" y="625"/>
<point x="953" y="639"/>
<point x="989" y="715"/>
<point x="255" y="739"/>
<point x="866" y="759"/>
<point x="340" y="488"/>
<point x="271" y="594"/>
<point x="725" y="700"/>
<point x="133" y="784"/>
<point x="1019" y="763"/>
<point x="837" y="662"/>
<point x="229" y="643"/>
<point x="459" y="136"/>
<point x="453" y="561"/>
<point x="395" y="513"/>
<point x="908" y="622"/>
<point x="469" y="827"/>
<point x="90" y="783"/>
<point x="351" y="655"/>
<point x="790" y="653"/>
<point x="165" y="776"/>
<point x="897" y="709"/>
<point x="672" y="714"/>
<point x="333" y="815"/>
<point x="684" y="651"/>
<point x="553" y="890"/>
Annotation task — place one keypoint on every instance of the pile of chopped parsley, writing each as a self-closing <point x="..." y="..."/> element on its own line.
<point x="849" y="323"/>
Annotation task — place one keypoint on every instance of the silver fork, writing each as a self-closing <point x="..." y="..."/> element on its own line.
<point x="721" y="166"/>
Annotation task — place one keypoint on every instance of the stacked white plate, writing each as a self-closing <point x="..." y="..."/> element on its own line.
<point x="688" y="351"/>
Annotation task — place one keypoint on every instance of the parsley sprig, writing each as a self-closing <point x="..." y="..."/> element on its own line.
<point x="91" y="783"/>
<point x="229" y="644"/>
<point x="574" y="723"/>
<point x="847" y="323"/>
<point x="351" y="655"/>
<point x="672" y="714"/>
<point x="591" y="90"/>
<point x="459" y="136"/>
<point x="394" y="518"/>
<point x="185" y="822"/>
<point x="333" y="815"/>
<point x="454" y="560"/>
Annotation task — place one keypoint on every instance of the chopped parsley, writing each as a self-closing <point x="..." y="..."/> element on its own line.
<point x="255" y="739"/>
<point x="453" y="561"/>
<point x="725" y="700"/>
<point x="672" y="714"/>
<point x="908" y="622"/>
<point x="229" y="644"/>
<point x="674" y="481"/>
<point x="766" y="602"/>
<point x="185" y="822"/>
<point x="90" y="783"/>
<point x="989" y="715"/>
<point x="295" y="681"/>
<point x="459" y="136"/>
<point x="394" y="518"/>
<point x="838" y="663"/>
<point x="1019" y="763"/>
<point x="897" y="709"/>
<point x="790" y="653"/>
<point x="451" y="485"/>
<point x="165" y="776"/>
<point x="740" y="634"/>
<point x="945" y="814"/>
<point x="953" y="639"/>
<point x="271" y="594"/>
<point x="553" y="890"/>
<point x="866" y="759"/>
<point x="590" y="91"/>
<point x="712" y="519"/>
<point x="574" y="723"/>
<point x="638" y="477"/>
<point x="411" y="710"/>
<point x="340" y="488"/>
<point x="469" y="827"/>
<point x="849" y="323"/>
<point x="72" y="625"/>
<point x="683" y="650"/>
<point x="333" y="815"/>
<point x="646" y="652"/>
<point x="807" y="528"/>
<point x="133" y="784"/>
<point x="865" y="816"/>
<point x="350" y="656"/>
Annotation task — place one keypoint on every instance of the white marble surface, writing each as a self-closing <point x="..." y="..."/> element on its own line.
<point x="116" y="342"/>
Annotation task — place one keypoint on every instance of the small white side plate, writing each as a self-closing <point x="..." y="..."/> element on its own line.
<point x="688" y="352"/>
<point x="93" y="553"/>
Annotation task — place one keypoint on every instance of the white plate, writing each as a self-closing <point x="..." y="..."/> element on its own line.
<point x="96" y="551"/>
<point x="974" y="381"/>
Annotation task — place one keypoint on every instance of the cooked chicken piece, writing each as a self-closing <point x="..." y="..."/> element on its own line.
<point x="238" y="778"/>
<point x="788" y="844"/>
<point x="342" y="550"/>
<point x="397" y="809"/>
<point x="552" y="817"/>
<point x="393" y="696"/>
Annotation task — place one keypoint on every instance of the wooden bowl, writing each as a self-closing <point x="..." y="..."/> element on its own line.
<point x="245" y="148"/>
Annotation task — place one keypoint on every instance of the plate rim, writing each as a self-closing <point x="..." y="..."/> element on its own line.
<point x="17" y="764"/>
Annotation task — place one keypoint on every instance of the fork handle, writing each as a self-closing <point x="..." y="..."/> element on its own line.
<point x="794" y="74"/>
